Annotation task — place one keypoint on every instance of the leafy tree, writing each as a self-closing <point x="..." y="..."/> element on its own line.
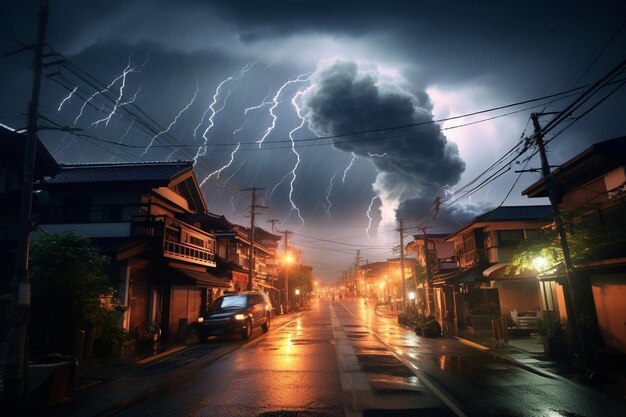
<point x="592" y="235"/>
<point x="300" y="279"/>
<point x="71" y="292"/>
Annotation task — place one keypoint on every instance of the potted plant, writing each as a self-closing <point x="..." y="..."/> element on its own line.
<point x="428" y="327"/>
<point x="554" y="336"/>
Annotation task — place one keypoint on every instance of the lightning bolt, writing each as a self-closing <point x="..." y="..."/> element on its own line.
<point x="294" y="102"/>
<point x="130" y="126"/>
<point x="263" y="104"/>
<point x="369" y="215"/>
<point x="129" y="69"/>
<point x="377" y="155"/>
<point x="67" y="98"/>
<point x="343" y="180"/>
<point x="328" y="191"/>
<point x="219" y="171"/>
<point x="216" y="96"/>
<point x="183" y="110"/>
<point x="300" y="79"/>
<point x="276" y="186"/>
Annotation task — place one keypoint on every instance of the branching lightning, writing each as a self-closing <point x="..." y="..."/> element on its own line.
<point x="294" y="101"/>
<point x="328" y="191"/>
<point x="300" y="79"/>
<point x="369" y="215"/>
<point x="219" y="171"/>
<point x="67" y="98"/>
<point x="129" y="69"/>
<point x="345" y="172"/>
<point x="263" y="104"/>
<point x="216" y="97"/>
<point x="184" y="109"/>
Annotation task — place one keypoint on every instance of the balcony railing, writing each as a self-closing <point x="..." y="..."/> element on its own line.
<point x="177" y="240"/>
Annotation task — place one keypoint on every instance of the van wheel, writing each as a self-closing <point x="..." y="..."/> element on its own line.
<point x="247" y="332"/>
<point x="266" y="325"/>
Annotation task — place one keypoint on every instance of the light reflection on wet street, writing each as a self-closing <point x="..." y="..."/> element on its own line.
<point x="481" y="383"/>
<point x="340" y="358"/>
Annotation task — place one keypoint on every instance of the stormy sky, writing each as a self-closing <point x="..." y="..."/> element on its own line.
<point x="334" y="108"/>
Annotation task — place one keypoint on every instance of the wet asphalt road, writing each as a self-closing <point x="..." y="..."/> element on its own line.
<point x="341" y="359"/>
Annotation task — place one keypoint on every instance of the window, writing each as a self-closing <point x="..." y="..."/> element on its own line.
<point x="231" y="301"/>
<point x="510" y="238"/>
<point x="468" y="243"/>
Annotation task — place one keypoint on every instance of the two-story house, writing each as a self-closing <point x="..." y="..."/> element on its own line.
<point x="483" y="248"/>
<point x="435" y="257"/>
<point x="233" y="253"/>
<point x="592" y="187"/>
<point x="162" y="266"/>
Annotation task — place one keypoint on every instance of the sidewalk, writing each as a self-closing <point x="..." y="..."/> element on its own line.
<point x="528" y="353"/>
<point x="105" y="387"/>
<point x="608" y="377"/>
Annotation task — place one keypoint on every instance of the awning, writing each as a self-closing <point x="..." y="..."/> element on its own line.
<point x="497" y="272"/>
<point x="269" y="287"/>
<point x="556" y="273"/>
<point x="189" y="277"/>
<point x="464" y="276"/>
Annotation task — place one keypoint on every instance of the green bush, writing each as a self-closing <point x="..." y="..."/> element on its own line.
<point x="71" y="292"/>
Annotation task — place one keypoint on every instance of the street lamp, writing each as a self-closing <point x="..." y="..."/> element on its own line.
<point x="540" y="263"/>
<point x="297" y="291"/>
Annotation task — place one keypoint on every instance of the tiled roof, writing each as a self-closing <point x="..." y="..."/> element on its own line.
<point x="508" y="213"/>
<point x="150" y="172"/>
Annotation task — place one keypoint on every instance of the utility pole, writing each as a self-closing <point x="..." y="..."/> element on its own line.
<point x="253" y="207"/>
<point x="429" y="275"/>
<point x="17" y="354"/>
<point x="286" y="235"/>
<point x="404" y="296"/>
<point x="273" y="223"/>
<point x="570" y="291"/>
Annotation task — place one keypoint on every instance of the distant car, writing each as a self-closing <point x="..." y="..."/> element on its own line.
<point x="236" y="314"/>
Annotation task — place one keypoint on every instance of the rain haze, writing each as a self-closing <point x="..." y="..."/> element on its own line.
<point x="350" y="115"/>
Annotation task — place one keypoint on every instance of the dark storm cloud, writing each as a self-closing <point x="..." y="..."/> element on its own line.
<point x="447" y="219"/>
<point x="349" y="97"/>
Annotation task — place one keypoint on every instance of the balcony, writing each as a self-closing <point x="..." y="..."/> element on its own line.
<point x="176" y="239"/>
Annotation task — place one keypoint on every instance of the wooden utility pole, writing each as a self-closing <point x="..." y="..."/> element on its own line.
<point x="273" y="223"/>
<point x="286" y="234"/>
<point x="404" y="295"/>
<point x="570" y="290"/>
<point x="17" y="353"/>
<point x="429" y="275"/>
<point x="252" y="233"/>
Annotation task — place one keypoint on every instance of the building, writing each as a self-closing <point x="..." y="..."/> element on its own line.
<point x="162" y="265"/>
<point x="481" y="288"/>
<point x="12" y="156"/>
<point x="434" y="257"/>
<point x="591" y="189"/>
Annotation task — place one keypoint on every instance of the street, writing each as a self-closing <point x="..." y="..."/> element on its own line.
<point x="340" y="358"/>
